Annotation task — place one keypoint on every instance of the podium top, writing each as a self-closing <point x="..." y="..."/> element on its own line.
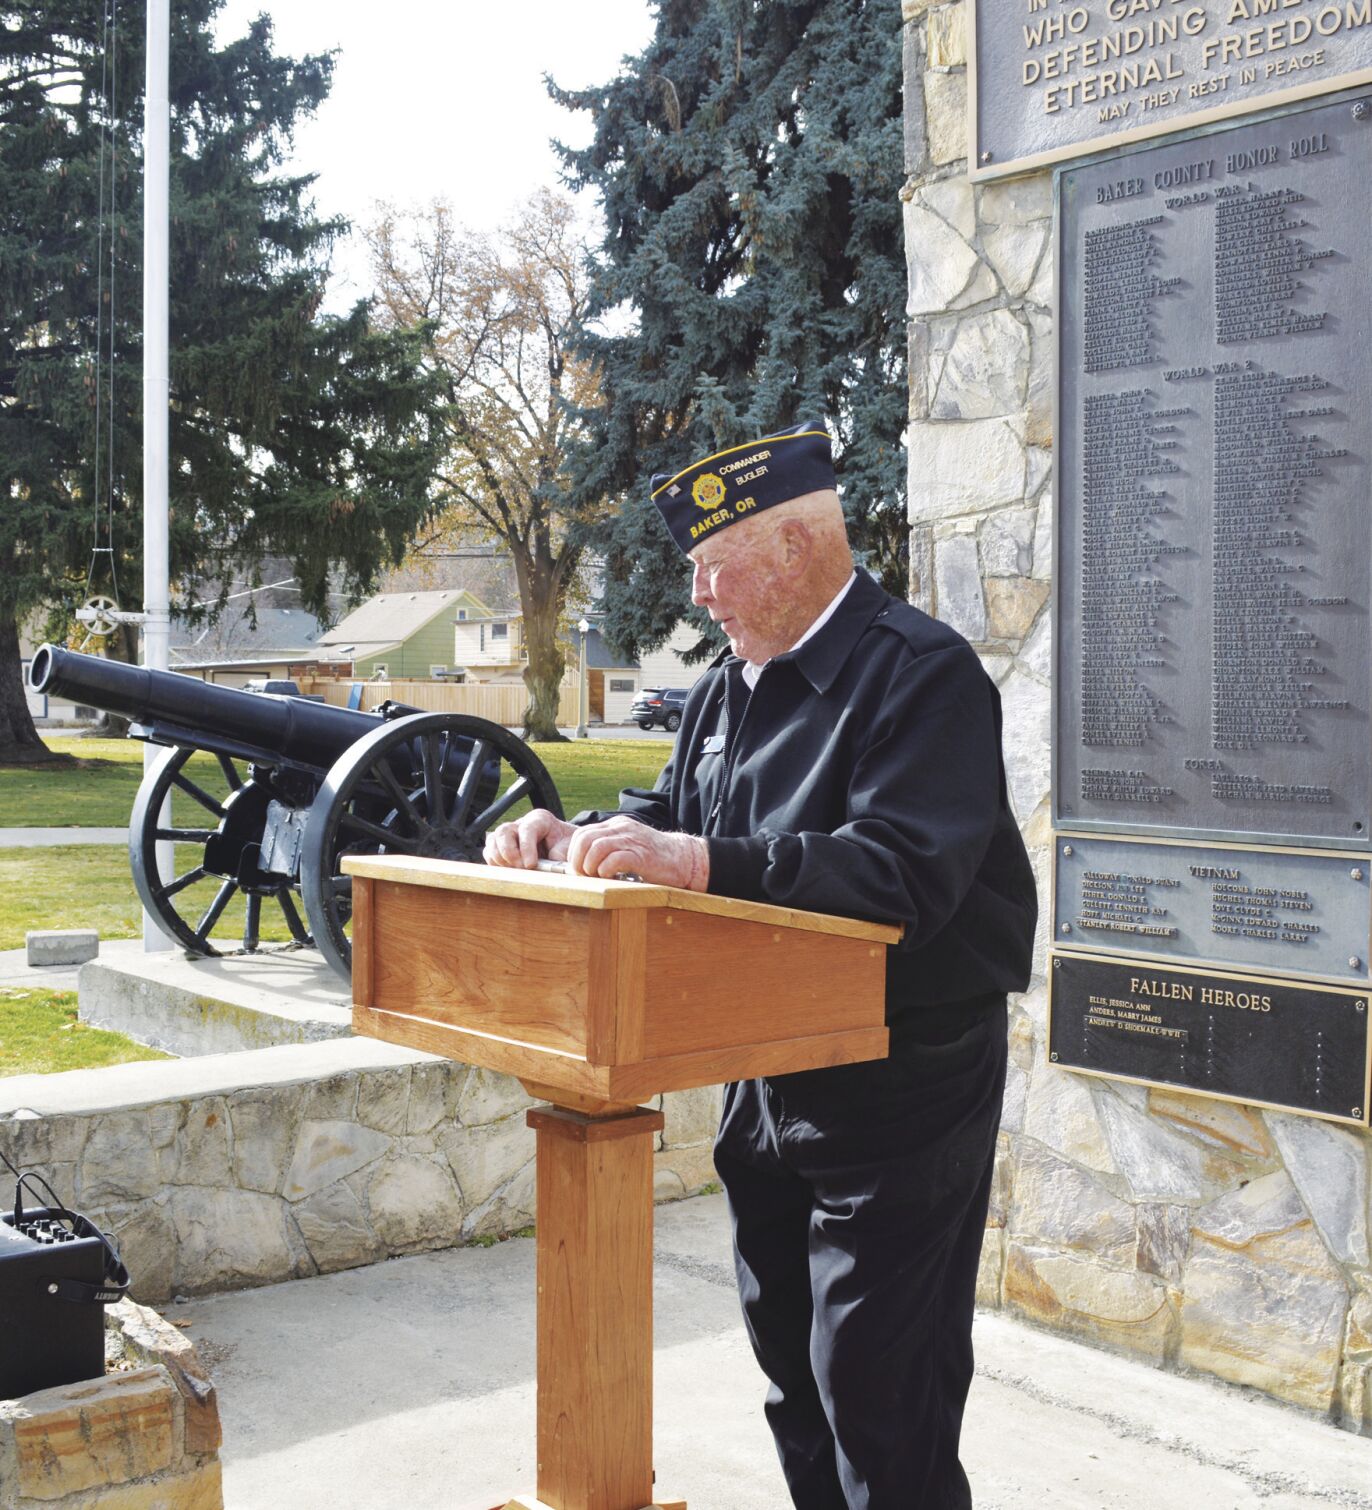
<point x="598" y="895"/>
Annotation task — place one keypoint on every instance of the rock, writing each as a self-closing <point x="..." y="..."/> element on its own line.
<point x="1042" y="290"/>
<point x="326" y="1152"/>
<point x="383" y="1100"/>
<point x="1016" y="1094"/>
<point x="1057" y="1205"/>
<point x="1026" y="708"/>
<point x="199" y="1155"/>
<point x="147" y="1339"/>
<point x="989" y="1269"/>
<point x="486" y="1096"/>
<point x="945" y="116"/>
<point x="264" y="1133"/>
<point x="911" y="10"/>
<point x="1038" y="467"/>
<point x="333" y="1099"/>
<point x="226" y="1239"/>
<point x="1036" y="655"/>
<point x="429" y="1086"/>
<point x="692" y="1168"/>
<point x="1020" y="201"/>
<point x="1072" y="1293"/>
<point x="1014" y="253"/>
<point x="963" y="467"/>
<point x="691" y="1117"/>
<point x="484" y="1158"/>
<point x="1012" y="606"/>
<point x="119" y="1162"/>
<point x="1038" y="423"/>
<point x="32" y="1142"/>
<point x="413" y="1203"/>
<point x="1002" y="1181"/>
<point x="61" y="946"/>
<point x="1264" y="1304"/>
<point x="947" y="37"/>
<point x="333" y="1224"/>
<point x="1329" y="1167"/>
<point x="146" y="1238"/>
<point x="940" y="262"/>
<point x="1159" y="1164"/>
<point x="1043" y="539"/>
<point x="1222" y="1124"/>
<point x="1006" y="543"/>
<point x="1164" y="1240"/>
<point x="957" y="586"/>
<point x="916" y="140"/>
<point x="981" y="290"/>
<point x="985" y="369"/>
<point x="1061" y="1114"/>
<point x="509" y="1209"/>
<point x="917" y="363"/>
<point x="952" y="198"/>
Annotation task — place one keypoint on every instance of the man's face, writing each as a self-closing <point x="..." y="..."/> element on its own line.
<point x="737" y="579"/>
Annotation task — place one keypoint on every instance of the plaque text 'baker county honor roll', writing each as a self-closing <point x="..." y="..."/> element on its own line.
<point x="1053" y="79"/>
<point x="1212" y="785"/>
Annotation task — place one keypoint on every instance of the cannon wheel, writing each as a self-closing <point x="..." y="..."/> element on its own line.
<point x="166" y="895"/>
<point x="383" y="793"/>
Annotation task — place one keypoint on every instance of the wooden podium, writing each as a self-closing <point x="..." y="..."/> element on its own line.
<point x="598" y="995"/>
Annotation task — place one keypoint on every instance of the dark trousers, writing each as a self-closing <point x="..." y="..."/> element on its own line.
<point x="859" y="1196"/>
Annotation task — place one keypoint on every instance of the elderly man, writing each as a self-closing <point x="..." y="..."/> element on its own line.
<point x="842" y="757"/>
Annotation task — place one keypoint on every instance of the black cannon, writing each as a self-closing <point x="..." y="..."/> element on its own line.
<point x="273" y="791"/>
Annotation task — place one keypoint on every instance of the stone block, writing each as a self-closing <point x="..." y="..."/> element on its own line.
<point x="1328" y="1165"/>
<point x="1222" y="1124"/>
<point x="1006" y="543"/>
<point x="199" y="1151"/>
<point x="334" y="1227"/>
<point x="963" y="467"/>
<point x="328" y="1151"/>
<point x="983" y="371"/>
<point x="1159" y="1163"/>
<point x="912" y="10"/>
<point x="916" y="141"/>
<point x="264" y="1137"/>
<point x="1076" y="1294"/>
<point x="945" y="116"/>
<point x="689" y="1168"/>
<point x="1164" y="1240"/>
<point x="227" y="1239"/>
<point x="1012" y="606"/>
<point x="946" y="37"/>
<point x="201" y="1488"/>
<point x="1036" y="654"/>
<point x="31" y="1140"/>
<point x="1061" y="1114"/>
<point x="1038" y="419"/>
<point x="1264" y="1303"/>
<point x="429" y="1087"/>
<point x="383" y="1100"/>
<point x="1057" y="1205"/>
<point x="61" y="946"/>
<point x="1020" y="201"/>
<point x="119" y="1161"/>
<point x="509" y="1209"/>
<point x="1043" y="539"/>
<point x="94" y="1435"/>
<point x="958" y="595"/>
<point x="990" y="1267"/>
<point x="332" y="1098"/>
<point x="941" y="263"/>
<point x="413" y="1204"/>
<point x="1026" y="707"/>
<point x="1013" y="253"/>
<point x="486" y="1096"/>
<point x="146" y="1237"/>
<point x="484" y="1158"/>
<point x="691" y="1117"/>
<point x="146" y="1338"/>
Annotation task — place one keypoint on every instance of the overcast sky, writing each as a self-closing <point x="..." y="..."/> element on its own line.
<point x="442" y="98"/>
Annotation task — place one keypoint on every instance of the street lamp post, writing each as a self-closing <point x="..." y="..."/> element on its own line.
<point x="583" y="628"/>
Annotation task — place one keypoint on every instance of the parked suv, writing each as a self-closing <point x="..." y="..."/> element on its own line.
<point x="659" y="705"/>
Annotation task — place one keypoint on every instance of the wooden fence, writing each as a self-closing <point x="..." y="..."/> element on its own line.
<point x="501" y="702"/>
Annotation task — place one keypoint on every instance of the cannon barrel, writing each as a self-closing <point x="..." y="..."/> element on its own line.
<point x="302" y="732"/>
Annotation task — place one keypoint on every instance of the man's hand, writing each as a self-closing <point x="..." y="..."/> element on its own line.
<point x="623" y="845"/>
<point x="539" y="835"/>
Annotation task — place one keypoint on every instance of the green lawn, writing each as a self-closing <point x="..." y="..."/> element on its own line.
<point x="588" y="773"/>
<point x="39" y="1034"/>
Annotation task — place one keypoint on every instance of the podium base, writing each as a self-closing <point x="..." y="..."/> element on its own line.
<point x="528" y="1502"/>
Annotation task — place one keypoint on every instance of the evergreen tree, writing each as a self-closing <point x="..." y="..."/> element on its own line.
<point x="749" y="162"/>
<point x="292" y="432"/>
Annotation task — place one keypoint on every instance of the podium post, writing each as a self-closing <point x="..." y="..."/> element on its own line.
<point x="599" y="995"/>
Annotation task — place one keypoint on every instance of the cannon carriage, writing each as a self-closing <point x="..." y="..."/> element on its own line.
<point x="261" y="795"/>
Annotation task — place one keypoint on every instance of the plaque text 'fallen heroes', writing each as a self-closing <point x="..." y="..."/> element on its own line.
<point x="1052" y="79"/>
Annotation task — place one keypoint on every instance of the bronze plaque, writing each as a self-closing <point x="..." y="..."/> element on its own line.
<point x="1245" y="1038"/>
<point x="1055" y="79"/>
<point x="1214" y="571"/>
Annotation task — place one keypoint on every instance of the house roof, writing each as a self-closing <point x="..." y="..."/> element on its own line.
<point x="278" y="632"/>
<point x="391" y="618"/>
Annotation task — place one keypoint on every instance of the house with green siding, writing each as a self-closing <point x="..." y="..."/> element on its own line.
<point x="406" y="635"/>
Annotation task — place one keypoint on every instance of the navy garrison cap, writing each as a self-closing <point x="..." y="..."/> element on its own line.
<point x="741" y="481"/>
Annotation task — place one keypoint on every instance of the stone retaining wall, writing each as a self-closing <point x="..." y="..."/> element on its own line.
<point x="1189" y="1232"/>
<point x="243" y="1169"/>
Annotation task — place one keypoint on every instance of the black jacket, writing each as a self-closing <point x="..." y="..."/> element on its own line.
<point x="863" y="776"/>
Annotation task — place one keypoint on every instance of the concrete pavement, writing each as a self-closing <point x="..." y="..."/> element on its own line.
<point x="409" y="1385"/>
<point x="41" y="838"/>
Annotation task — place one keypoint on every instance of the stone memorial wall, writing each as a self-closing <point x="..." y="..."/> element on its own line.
<point x="1192" y="1231"/>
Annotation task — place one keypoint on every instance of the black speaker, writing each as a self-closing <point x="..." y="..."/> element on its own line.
<point x="57" y="1274"/>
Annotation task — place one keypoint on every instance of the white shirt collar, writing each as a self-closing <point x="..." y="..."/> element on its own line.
<point x="752" y="672"/>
